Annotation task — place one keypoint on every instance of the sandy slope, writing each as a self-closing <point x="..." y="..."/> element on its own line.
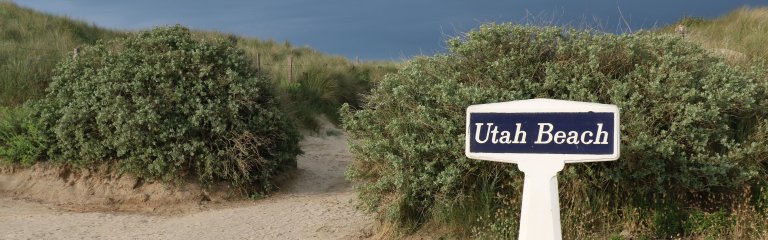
<point x="317" y="203"/>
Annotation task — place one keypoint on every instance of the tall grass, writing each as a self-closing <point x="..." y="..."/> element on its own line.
<point x="311" y="83"/>
<point x="21" y="141"/>
<point x="31" y="44"/>
<point x="740" y="36"/>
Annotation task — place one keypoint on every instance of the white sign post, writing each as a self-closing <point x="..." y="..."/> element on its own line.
<point x="541" y="136"/>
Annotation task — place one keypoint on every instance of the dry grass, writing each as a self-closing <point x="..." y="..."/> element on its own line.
<point x="739" y="36"/>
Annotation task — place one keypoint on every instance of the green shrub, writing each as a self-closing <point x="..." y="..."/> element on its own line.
<point x="20" y="140"/>
<point x="691" y="125"/>
<point x="166" y="106"/>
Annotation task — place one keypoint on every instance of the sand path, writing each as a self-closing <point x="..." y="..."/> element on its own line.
<point x="317" y="203"/>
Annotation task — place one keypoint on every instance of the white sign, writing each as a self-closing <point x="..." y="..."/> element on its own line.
<point x="541" y="135"/>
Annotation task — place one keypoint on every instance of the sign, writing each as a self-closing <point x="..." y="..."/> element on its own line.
<point x="543" y="129"/>
<point x="540" y="136"/>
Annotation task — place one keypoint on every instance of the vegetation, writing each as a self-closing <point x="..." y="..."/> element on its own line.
<point x="31" y="44"/>
<point x="134" y="113"/>
<point x="739" y="36"/>
<point x="317" y="85"/>
<point x="21" y="142"/>
<point x="310" y="84"/>
<point x="693" y="133"/>
<point x="164" y="105"/>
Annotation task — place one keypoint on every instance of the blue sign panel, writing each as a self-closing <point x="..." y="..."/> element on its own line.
<point x="544" y="133"/>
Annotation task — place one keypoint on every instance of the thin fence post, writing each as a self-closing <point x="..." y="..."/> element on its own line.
<point x="258" y="62"/>
<point x="290" y="69"/>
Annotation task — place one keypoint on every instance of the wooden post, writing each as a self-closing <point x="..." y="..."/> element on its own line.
<point x="357" y="60"/>
<point x="290" y="69"/>
<point x="258" y="62"/>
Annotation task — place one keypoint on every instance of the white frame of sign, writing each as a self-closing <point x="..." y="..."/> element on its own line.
<point x="543" y="105"/>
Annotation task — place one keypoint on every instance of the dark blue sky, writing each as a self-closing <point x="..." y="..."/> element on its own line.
<point x="384" y="30"/>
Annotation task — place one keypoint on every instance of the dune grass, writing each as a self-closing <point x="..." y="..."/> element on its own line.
<point x="31" y="45"/>
<point x="311" y="83"/>
<point x="740" y="36"/>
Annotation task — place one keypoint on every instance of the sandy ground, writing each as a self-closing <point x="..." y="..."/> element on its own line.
<point x="315" y="203"/>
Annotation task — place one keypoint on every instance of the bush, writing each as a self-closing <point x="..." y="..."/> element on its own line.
<point x="164" y="105"/>
<point x="20" y="140"/>
<point x="691" y="126"/>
